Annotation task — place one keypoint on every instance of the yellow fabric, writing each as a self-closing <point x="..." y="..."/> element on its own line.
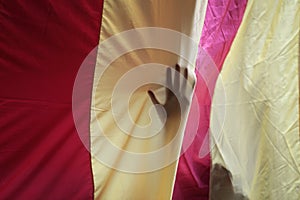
<point x="255" y="130"/>
<point x="118" y="16"/>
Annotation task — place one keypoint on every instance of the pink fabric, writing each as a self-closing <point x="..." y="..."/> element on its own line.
<point x="222" y="21"/>
<point x="221" y="24"/>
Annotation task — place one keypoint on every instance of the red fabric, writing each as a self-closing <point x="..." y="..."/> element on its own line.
<point x="42" y="44"/>
<point x="222" y="21"/>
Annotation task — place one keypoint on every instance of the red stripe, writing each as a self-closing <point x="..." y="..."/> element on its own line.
<point x="42" y="46"/>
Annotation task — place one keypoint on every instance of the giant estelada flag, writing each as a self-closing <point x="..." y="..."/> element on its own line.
<point x="149" y="99"/>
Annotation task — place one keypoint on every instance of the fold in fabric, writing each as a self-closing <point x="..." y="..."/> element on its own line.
<point x="255" y="130"/>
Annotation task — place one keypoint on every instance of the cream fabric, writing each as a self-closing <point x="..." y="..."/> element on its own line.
<point x="255" y="130"/>
<point x="118" y="16"/>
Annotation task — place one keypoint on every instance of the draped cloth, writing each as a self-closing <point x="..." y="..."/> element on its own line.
<point x="42" y="45"/>
<point x="255" y="130"/>
<point x="113" y="181"/>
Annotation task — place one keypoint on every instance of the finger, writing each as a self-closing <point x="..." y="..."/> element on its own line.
<point x="169" y="83"/>
<point x="177" y="77"/>
<point x="184" y="84"/>
<point x="152" y="97"/>
<point x="186" y="74"/>
<point x="177" y="67"/>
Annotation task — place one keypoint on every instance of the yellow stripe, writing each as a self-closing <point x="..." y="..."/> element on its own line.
<point x="255" y="130"/>
<point x="119" y="16"/>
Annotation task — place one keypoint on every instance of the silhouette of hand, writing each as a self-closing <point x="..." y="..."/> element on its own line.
<point x="178" y="85"/>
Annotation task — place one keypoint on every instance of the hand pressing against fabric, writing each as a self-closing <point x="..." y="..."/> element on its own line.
<point x="178" y="92"/>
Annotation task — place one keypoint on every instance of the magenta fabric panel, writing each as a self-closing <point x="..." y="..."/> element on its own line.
<point x="221" y="24"/>
<point x="223" y="18"/>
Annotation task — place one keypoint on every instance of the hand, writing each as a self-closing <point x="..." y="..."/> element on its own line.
<point x="221" y="185"/>
<point x="174" y="105"/>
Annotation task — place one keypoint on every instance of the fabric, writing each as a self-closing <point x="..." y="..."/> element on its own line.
<point x="255" y="130"/>
<point x="221" y="23"/>
<point x="58" y="125"/>
<point x="113" y="180"/>
<point x="42" y="45"/>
